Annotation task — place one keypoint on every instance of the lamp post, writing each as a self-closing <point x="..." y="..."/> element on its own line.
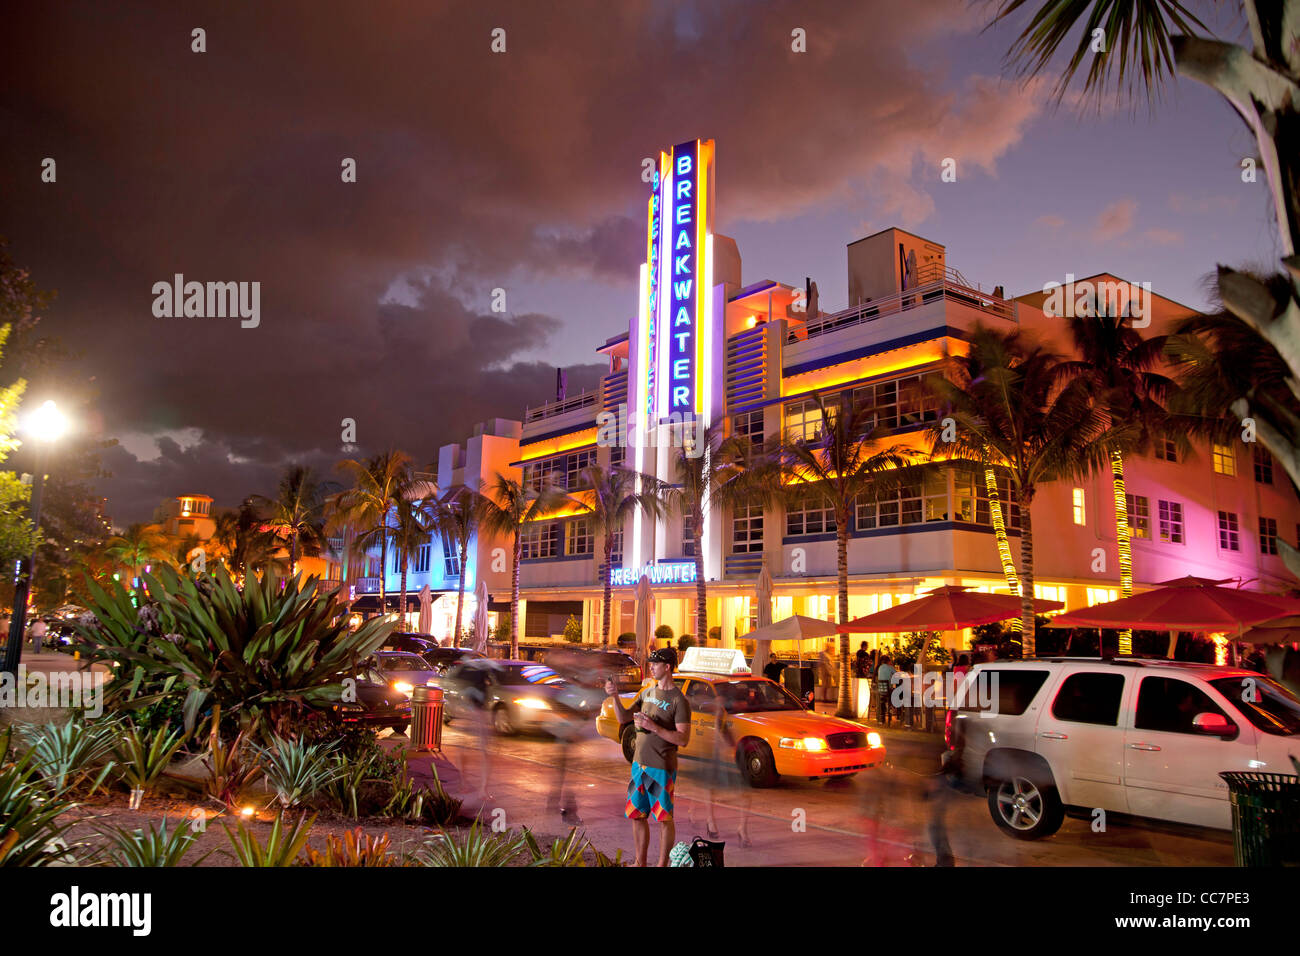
<point x="46" y="424"/>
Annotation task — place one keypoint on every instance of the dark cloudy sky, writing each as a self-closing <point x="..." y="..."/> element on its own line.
<point x="521" y="171"/>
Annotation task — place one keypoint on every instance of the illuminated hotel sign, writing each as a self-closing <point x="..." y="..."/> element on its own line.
<point x="677" y="572"/>
<point x="684" y="278"/>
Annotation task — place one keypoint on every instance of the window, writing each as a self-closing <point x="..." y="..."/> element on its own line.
<point x="1089" y="699"/>
<point x="900" y="402"/>
<point x="1229" y="539"/>
<point x="1101" y="595"/>
<point x="803" y="420"/>
<point x="1165" y="449"/>
<point x="562" y="471"/>
<point x="1171" y="522"/>
<point x="580" y="538"/>
<point x="1170" y="705"/>
<point x="1139" y="516"/>
<point x="700" y="695"/>
<point x="1263" y="465"/>
<point x="1080" y="516"/>
<point x="749" y="425"/>
<point x="423" y="554"/>
<point x="574" y="465"/>
<point x="541" y="541"/>
<point x="747" y="530"/>
<point x="971" y="499"/>
<point x="616" y="548"/>
<point x="1225" y="462"/>
<point x="397" y="559"/>
<point x="811" y="514"/>
<point x="688" y="537"/>
<point x="450" y="556"/>
<point x="916" y="501"/>
<point x="1268" y="536"/>
<point x="617" y="453"/>
<point x="1015" y="689"/>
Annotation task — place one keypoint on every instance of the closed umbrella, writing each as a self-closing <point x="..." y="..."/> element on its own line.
<point x="644" y="619"/>
<point x="763" y="595"/>
<point x="1184" y="604"/>
<point x="948" y="608"/>
<point x="426" y="609"/>
<point x="481" y="616"/>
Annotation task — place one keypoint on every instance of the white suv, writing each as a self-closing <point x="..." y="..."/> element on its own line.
<point x="1136" y="737"/>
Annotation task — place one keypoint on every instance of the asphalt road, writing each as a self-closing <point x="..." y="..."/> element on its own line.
<point x="883" y="816"/>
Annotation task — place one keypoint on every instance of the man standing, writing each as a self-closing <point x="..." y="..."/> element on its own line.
<point x="663" y="723"/>
<point x="37" y="631"/>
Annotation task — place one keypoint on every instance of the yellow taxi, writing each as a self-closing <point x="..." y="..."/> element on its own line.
<point x="768" y="732"/>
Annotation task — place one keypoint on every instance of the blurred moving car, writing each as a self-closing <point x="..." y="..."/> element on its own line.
<point x="516" y="696"/>
<point x="590" y="666"/>
<point x="774" y="733"/>
<point x="404" y="672"/>
<point x="409" y="642"/>
<point x="442" y="659"/>
<point x="1144" y="738"/>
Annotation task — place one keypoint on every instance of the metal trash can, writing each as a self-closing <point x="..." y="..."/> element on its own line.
<point x="426" y="719"/>
<point x="1265" y="818"/>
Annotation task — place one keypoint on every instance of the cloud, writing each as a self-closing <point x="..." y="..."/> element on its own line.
<point x="1115" y="220"/>
<point x="1202" y="205"/>
<point x="1163" y="237"/>
<point x="1051" y="221"/>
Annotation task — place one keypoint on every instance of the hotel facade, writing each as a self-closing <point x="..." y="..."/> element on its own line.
<point x="707" y="344"/>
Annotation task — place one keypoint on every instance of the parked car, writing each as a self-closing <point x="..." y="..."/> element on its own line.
<point x="410" y="643"/>
<point x="377" y="703"/>
<point x="517" y="695"/>
<point x="1140" y="738"/>
<point x="404" y="672"/>
<point x="442" y="659"/>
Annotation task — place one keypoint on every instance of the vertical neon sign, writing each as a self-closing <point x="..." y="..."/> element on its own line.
<point x="654" y="226"/>
<point x="684" y="257"/>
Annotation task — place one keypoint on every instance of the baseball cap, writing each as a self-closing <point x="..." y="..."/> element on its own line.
<point x="665" y="655"/>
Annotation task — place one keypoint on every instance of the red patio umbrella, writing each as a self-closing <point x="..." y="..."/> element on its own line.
<point x="947" y="608"/>
<point x="1184" y="604"/>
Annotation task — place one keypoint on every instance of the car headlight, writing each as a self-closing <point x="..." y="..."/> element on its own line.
<point x="812" y="744"/>
<point x="402" y="687"/>
<point x="873" y="739"/>
<point x="532" y="703"/>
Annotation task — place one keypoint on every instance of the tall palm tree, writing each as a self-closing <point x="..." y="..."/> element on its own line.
<point x="838" y="465"/>
<point x="139" y="545"/>
<point x="1017" y="402"/>
<point x="412" y="529"/>
<point x="297" y="513"/>
<point x="1116" y="362"/>
<point x="509" y="505"/>
<point x="377" y="484"/>
<point x="609" y="496"/>
<point x="721" y="473"/>
<point x="457" y="515"/>
<point x="1262" y="84"/>
<point x="239" y="540"/>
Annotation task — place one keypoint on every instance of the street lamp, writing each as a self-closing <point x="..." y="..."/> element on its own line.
<point x="45" y="425"/>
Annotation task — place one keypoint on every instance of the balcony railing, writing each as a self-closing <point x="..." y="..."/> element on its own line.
<point x="367" y="585"/>
<point x="551" y="409"/>
<point x="903" y="301"/>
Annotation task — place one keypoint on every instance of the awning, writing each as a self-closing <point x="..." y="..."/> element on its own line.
<point x="370" y="602"/>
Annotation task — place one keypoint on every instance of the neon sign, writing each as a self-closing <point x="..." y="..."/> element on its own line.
<point x="677" y="572"/>
<point x="682" y="331"/>
<point x="653" y="230"/>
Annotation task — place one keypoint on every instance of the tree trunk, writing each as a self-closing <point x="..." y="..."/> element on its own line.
<point x="460" y="592"/>
<point x="383" y="569"/>
<point x="1000" y="534"/>
<point x="402" y="607"/>
<point x="701" y="589"/>
<point x="514" y="599"/>
<point x="293" y="553"/>
<point x="1028" y="647"/>
<point x="844" y="705"/>
<point x="1122" y="544"/>
<point x="607" y="592"/>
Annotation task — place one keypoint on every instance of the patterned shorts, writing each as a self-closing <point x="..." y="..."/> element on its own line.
<point x="650" y="793"/>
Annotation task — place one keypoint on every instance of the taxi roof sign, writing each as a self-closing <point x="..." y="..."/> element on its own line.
<point x="714" y="660"/>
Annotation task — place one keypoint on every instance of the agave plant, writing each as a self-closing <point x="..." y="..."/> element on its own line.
<point x="31" y="833"/>
<point x="297" y="770"/>
<point x="353" y="849"/>
<point x="143" y="756"/>
<point x="230" y="771"/>
<point x="478" y="847"/>
<point x="150" y="847"/>
<point x="69" y="756"/>
<point x="283" y="844"/>
<point x="565" y="851"/>
<point x="274" y="650"/>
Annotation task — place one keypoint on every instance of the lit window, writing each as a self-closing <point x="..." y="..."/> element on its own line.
<point x="1268" y="535"/>
<point x="688" y="537"/>
<point x="803" y="420"/>
<point x="1101" y="595"/>
<point x="1263" y="466"/>
<point x="1171" y="522"/>
<point x="1079" y="516"/>
<point x="1225" y="461"/>
<point x="580" y="539"/>
<point x="616" y="548"/>
<point x="450" y="555"/>
<point x="1229" y="538"/>
<point x="540" y="542"/>
<point x="913" y="502"/>
<point x="747" y="529"/>
<point x="749" y="425"/>
<point x="1139" y="516"/>
<point x="811" y="514"/>
<point x="422" y="556"/>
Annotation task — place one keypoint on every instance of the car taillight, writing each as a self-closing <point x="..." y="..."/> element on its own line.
<point x="948" y="719"/>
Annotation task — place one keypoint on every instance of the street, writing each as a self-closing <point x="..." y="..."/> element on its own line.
<point x="799" y="822"/>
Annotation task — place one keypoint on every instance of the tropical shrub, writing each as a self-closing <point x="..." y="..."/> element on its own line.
<point x="296" y="770"/>
<point x="263" y="652"/>
<point x="573" y="630"/>
<point x="564" y="851"/>
<point x="283" y="844"/>
<point x="353" y="849"/>
<point x="144" y="755"/>
<point x="664" y="633"/>
<point x="231" y="767"/>
<point x="478" y="846"/>
<point x="72" y="755"/>
<point x="150" y="847"/>
<point x="30" y="831"/>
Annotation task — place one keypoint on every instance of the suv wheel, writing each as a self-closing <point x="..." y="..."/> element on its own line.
<point x="1024" y="809"/>
<point x="627" y="737"/>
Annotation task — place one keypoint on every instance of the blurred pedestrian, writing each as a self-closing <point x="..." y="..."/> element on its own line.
<point x="37" y="631"/>
<point x="662" y="717"/>
<point x="721" y="779"/>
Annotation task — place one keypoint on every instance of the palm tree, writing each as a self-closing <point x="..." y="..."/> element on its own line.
<point x="239" y="540"/>
<point x="1262" y="84"/>
<point x="297" y="513"/>
<point x="457" y="515"/>
<point x="139" y="545"/>
<point x="718" y="473"/>
<point x="508" y="506"/>
<point x="412" y="528"/>
<point x="1116" y="362"/>
<point x="612" y="495"/>
<point x="839" y="465"/>
<point x="377" y="484"/>
<point x="1017" y="403"/>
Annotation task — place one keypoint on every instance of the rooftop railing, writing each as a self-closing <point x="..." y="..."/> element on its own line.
<point x="583" y="399"/>
<point x="923" y="294"/>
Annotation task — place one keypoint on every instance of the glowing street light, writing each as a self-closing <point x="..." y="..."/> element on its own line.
<point x="47" y="423"/>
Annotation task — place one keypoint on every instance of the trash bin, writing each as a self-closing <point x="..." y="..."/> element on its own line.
<point x="426" y="719"/>
<point x="1265" y="818"/>
<point x="798" y="680"/>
